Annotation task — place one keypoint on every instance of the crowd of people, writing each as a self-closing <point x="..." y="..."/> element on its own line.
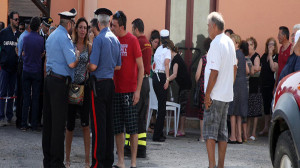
<point x="42" y="64"/>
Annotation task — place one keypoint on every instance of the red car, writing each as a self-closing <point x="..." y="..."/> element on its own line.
<point x="284" y="133"/>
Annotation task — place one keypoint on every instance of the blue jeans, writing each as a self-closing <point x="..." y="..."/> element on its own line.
<point x="31" y="84"/>
<point x="7" y="88"/>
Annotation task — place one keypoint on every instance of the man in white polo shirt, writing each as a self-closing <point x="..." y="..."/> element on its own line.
<point x="219" y="77"/>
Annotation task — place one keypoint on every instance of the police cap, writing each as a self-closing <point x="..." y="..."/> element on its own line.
<point x="47" y="21"/>
<point x="103" y="11"/>
<point x="164" y="33"/>
<point x="68" y="14"/>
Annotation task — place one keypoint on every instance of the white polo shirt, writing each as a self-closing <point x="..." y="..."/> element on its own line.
<point x="221" y="57"/>
<point x="159" y="57"/>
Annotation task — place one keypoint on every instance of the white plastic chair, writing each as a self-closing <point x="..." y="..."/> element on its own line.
<point x="175" y="108"/>
<point x="170" y="107"/>
<point x="153" y="104"/>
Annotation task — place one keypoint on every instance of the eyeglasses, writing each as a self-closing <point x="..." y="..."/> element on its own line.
<point x="16" y="19"/>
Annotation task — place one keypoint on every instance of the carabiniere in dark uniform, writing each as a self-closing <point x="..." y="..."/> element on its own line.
<point x="61" y="60"/>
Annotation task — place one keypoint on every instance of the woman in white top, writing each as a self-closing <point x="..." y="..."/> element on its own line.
<point x="160" y="77"/>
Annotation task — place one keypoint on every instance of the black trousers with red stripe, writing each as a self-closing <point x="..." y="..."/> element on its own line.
<point x="102" y="125"/>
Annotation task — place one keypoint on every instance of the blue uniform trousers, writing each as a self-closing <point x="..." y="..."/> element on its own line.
<point x="7" y="88"/>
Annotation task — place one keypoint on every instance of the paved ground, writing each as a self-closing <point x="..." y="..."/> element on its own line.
<point x="23" y="149"/>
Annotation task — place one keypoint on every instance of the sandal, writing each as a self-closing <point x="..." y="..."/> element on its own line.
<point x="230" y="141"/>
<point x="252" y="138"/>
<point x="67" y="164"/>
<point x="180" y="134"/>
<point x="171" y="132"/>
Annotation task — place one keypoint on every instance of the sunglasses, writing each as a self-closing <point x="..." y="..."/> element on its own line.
<point x="16" y="19"/>
<point x="22" y="29"/>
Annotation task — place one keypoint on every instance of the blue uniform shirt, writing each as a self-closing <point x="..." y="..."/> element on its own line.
<point x="106" y="54"/>
<point x="20" y="42"/>
<point x="60" y="52"/>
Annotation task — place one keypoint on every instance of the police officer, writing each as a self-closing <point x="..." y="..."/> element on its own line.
<point x="104" y="59"/>
<point x="8" y="62"/>
<point x="161" y="79"/>
<point x="45" y="25"/>
<point x="61" y="59"/>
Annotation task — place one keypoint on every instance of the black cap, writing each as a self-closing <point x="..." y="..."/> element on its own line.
<point x="68" y="14"/>
<point x="103" y="11"/>
<point x="47" y="21"/>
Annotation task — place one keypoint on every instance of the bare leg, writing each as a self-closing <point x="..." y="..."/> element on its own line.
<point x="120" y="141"/>
<point x="69" y="138"/>
<point x="181" y="124"/>
<point x="133" y="147"/>
<point x="86" y="140"/>
<point x="266" y="128"/>
<point x="239" y="129"/>
<point x="254" y="126"/>
<point x="201" y="130"/>
<point x="245" y="131"/>
<point x="248" y="126"/>
<point x="222" y="145"/>
<point x="210" y="146"/>
<point x="233" y="124"/>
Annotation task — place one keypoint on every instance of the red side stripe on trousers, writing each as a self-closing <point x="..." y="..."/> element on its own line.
<point x="95" y="126"/>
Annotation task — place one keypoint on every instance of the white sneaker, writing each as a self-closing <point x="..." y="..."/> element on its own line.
<point x="3" y="123"/>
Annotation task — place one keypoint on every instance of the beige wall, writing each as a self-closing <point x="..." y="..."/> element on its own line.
<point x="3" y="11"/>
<point x="260" y="19"/>
<point x="151" y="12"/>
<point x="58" y="6"/>
<point x="178" y="22"/>
<point x="89" y="7"/>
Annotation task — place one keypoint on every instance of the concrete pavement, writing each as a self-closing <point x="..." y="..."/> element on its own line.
<point x="24" y="149"/>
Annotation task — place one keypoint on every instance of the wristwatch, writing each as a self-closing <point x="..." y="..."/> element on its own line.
<point x="168" y="79"/>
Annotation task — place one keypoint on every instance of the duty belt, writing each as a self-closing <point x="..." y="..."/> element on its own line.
<point x="51" y="73"/>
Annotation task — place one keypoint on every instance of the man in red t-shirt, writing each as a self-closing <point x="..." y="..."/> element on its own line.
<point x="142" y="106"/>
<point x="128" y="83"/>
<point x="285" y="49"/>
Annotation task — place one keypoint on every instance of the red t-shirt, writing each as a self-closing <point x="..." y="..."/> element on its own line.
<point x="125" y="79"/>
<point x="146" y="52"/>
<point x="282" y="58"/>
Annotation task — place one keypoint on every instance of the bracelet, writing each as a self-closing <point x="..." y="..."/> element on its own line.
<point x="168" y="79"/>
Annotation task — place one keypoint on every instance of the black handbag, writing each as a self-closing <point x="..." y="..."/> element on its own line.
<point x="196" y="98"/>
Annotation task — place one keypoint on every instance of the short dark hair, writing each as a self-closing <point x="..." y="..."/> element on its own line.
<point x="285" y="31"/>
<point x="121" y="18"/>
<point x="2" y="25"/>
<point x="244" y="46"/>
<point x="206" y="44"/>
<point x="229" y="31"/>
<point x="11" y="15"/>
<point x="138" y="24"/>
<point x="154" y="35"/>
<point x="94" y="23"/>
<point x="35" y="24"/>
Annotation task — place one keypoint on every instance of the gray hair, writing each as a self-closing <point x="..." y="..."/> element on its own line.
<point x="296" y="27"/>
<point x="103" y="19"/>
<point x="216" y="18"/>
